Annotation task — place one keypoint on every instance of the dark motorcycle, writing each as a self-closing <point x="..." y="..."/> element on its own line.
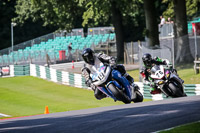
<point x="167" y="81"/>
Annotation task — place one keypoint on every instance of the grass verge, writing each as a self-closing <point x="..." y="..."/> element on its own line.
<point x="23" y="96"/>
<point x="189" y="128"/>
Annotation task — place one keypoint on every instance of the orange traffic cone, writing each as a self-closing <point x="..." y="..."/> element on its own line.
<point x="46" y="110"/>
<point x="72" y="64"/>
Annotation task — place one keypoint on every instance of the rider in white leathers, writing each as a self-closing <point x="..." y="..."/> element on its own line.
<point x="94" y="61"/>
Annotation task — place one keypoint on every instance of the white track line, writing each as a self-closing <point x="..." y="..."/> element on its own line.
<point x="4" y="115"/>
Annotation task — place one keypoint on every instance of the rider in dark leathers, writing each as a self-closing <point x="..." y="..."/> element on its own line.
<point x="93" y="61"/>
<point x="145" y="71"/>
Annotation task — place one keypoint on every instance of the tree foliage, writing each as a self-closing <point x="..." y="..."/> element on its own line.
<point x="151" y="23"/>
<point x="21" y="32"/>
<point x="64" y="14"/>
<point x="182" y="47"/>
<point x="127" y="16"/>
<point x="117" y="12"/>
<point x="192" y="7"/>
<point x="100" y="11"/>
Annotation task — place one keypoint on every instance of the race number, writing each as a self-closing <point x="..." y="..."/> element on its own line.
<point x="159" y="74"/>
<point x="101" y="76"/>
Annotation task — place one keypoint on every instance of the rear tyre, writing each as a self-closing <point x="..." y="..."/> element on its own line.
<point x="119" y="94"/>
<point x="139" y="97"/>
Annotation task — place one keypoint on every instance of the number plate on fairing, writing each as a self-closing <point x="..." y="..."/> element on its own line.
<point x="157" y="72"/>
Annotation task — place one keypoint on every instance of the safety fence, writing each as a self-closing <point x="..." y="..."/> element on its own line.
<point x="189" y="89"/>
<point x="77" y="80"/>
<point x="50" y="74"/>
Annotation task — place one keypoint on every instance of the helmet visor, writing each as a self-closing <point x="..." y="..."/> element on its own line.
<point x="147" y="63"/>
<point x="88" y="58"/>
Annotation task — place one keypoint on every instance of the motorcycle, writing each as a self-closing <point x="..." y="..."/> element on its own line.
<point x="114" y="85"/>
<point x="167" y="81"/>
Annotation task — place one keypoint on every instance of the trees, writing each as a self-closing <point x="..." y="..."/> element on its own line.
<point x="21" y="32"/>
<point x="109" y="9"/>
<point x="70" y="14"/>
<point x="151" y="23"/>
<point x="116" y="11"/>
<point x="177" y="9"/>
<point x="182" y="42"/>
<point x="64" y="14"/>
<point x="192" y="8"/>
<point x="121" y="14"/>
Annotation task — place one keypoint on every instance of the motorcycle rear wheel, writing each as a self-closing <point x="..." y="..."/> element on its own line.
<point x="119" y="94"/>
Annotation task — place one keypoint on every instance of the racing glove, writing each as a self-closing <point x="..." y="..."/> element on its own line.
<point x="112" y="62"/>
<point x="165" y="63"/>
<point x="142" y="73"/>
<point x="90" y="84"/>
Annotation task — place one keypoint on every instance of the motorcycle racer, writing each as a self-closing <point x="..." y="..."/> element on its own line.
<point x="145" y="71"/>
<point x="93" y="61"/>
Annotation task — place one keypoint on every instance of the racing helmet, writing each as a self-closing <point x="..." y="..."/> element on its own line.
<point x="88" y="56"/>
<point x="147" y="59"/>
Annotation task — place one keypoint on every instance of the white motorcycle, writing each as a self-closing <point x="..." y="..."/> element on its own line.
<point x="167" y="81"/>
<point x="114" y="85"/>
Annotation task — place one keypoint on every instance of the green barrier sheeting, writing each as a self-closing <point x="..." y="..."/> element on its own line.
<point x="59" y="76"/>
<point x="37" y="71"/>
<point x="48" y="75"/>
<point x="71" y="79"/>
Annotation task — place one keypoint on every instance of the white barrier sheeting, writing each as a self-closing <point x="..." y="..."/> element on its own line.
<point x="78" y="80"/>
<point x="65" y="78"/>
<point x="33" y="70"/>
<point x="42" y="72"/>
<point x="12" y="73"/>
<point x="53" y="75"/>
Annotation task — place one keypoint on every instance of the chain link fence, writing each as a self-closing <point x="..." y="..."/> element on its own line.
<point x="171" y="48"/>
<point x="131" y="52"/>
<point x="165" y="30"/>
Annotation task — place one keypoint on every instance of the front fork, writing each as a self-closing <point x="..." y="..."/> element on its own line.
<point x="163" y="91"/>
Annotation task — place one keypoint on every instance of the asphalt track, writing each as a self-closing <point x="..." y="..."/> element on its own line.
<point x="131" y="118"/>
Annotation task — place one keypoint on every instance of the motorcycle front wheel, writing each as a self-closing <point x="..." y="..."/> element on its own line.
<point x="139" y="97"/>
<point x="118" y="94"/>
<point x="176" y="90"/>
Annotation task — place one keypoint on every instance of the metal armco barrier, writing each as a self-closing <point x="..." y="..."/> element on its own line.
<point x="77" y="80"/>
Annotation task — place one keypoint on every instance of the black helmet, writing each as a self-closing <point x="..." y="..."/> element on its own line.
<point x="147" y="59"/>
<point x="88" y="56"/>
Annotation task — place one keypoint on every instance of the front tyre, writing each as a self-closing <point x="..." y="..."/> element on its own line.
<point x="139" y="97"/>
<point x="118" y="94"/>
<point x="176" y="90"/>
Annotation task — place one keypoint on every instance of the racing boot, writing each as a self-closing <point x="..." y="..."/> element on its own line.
<point x="133" y="95"/>
<point x="134" y="87"/>
<point x="129" y="78"/>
